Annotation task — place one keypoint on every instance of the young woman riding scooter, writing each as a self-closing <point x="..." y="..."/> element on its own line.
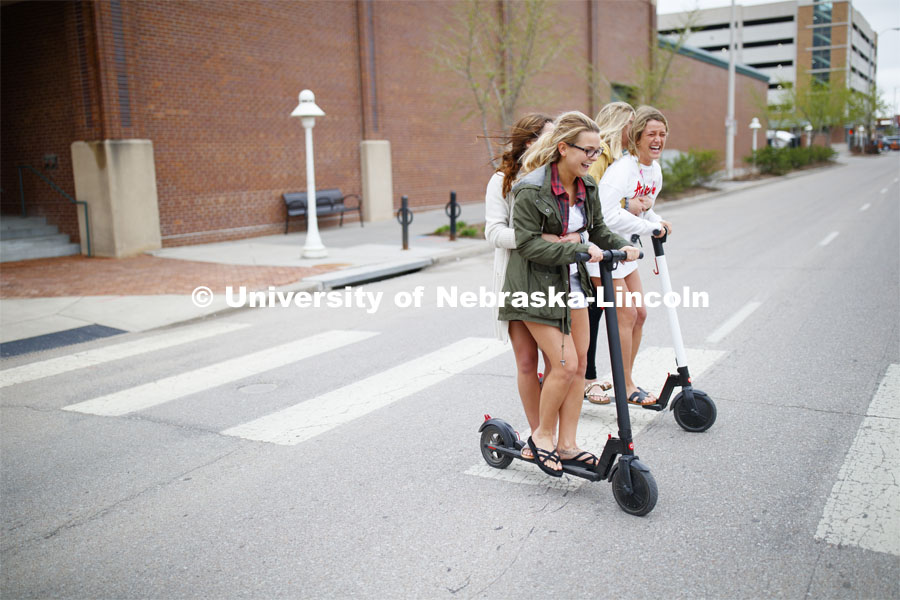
<point x="556" y="197"/>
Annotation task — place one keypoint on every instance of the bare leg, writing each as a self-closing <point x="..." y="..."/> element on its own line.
<point x="560" y="349"/>
<point x="631" y="329"/>
<point x="570" y="410"/>
<point x="626" y="317"/>
<point x="526" y="352"/>
<point x="634" y="284"/>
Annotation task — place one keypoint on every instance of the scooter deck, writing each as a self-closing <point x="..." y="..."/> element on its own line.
<point x="568" y="469"/>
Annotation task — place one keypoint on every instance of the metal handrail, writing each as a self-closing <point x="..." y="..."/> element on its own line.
<point x="87" y="222"/>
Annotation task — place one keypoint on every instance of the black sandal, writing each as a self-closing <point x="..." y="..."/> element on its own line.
<point x="542" y="457"/>
<point x="641" y="397"/>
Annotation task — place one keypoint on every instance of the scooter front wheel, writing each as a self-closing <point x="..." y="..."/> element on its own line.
<point x="643" y="495"/>
<point x="691" y="420"/>
<point x="491" y="437"/>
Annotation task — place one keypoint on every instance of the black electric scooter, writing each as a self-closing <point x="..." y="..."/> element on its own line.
<point x="693" y="409"/>
<point x="633" y="486"/>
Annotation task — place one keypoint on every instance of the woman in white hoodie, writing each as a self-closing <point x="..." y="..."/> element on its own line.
<point x="500" y="234"/>
<point x="637" y="178"/>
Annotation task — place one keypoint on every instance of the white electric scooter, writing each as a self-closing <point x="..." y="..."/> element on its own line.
<point x="693" y="409"/>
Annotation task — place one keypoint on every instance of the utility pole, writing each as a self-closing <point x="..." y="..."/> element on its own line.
<point x="729" y="120"/>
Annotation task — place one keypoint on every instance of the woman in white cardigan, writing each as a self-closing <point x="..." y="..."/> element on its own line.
<point x="499" y="232"/>
<point x="638" y="179"/>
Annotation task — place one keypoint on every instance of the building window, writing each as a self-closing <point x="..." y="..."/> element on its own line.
<point x="624" y="93"/>
<point x="822" y="36"/>
<point x="821" y="59"/>
<point x="822" y="12"/>
<point x="822" y="77"/>
<point x="772" y="65"/>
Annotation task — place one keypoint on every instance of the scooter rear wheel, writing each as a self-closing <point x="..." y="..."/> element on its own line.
<point x="643" y="494"/>
<point x="695" y="422"/>
<point x="491" y="437"/>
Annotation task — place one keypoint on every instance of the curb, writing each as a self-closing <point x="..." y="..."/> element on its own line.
<point x="752" y="185"/>
<point x="340" y="278"/>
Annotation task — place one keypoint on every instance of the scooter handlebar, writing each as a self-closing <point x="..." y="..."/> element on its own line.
<point x="608" y="255"/>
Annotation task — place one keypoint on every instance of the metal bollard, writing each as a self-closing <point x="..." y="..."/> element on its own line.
<point x="453" y="211"/>
<point x="405" y="218"/>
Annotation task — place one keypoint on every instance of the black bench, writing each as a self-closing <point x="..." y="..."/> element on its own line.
<point x="328" y="202"/>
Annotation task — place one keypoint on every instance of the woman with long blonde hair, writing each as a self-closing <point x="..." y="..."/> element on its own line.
<point x="614" y="121"/>
<point x="557" y="197"/>
<point x="638" y="179"/>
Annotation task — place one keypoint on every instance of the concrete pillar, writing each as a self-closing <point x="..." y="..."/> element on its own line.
<point x="377" y="182"/>
<point x="117" y="179"/>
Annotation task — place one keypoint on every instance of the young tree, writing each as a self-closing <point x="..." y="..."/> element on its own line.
<point x="498" y="49"/>
<point x="820" y="104"/>
<point x="865" y="108"/>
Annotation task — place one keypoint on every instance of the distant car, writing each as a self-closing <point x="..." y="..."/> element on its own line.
<point x="781" y="139"/>
<point x="892" y="142"/>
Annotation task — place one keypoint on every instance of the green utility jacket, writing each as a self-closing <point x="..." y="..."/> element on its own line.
<point x="537" y="265"/>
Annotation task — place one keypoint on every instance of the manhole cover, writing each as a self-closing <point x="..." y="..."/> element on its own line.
<point x="257" y="388"/>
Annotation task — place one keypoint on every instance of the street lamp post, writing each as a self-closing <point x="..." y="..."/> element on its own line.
<point x="730" y="129"/>
<point x="754" y="126"/>
<point x="308" y="111"/>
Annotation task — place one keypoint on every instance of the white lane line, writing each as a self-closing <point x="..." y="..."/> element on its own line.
<point x="864" y="506"/>
<point x="597" y="422"/>
<point x="864" y="207"/>
<point x="168" y="389"/>
<point x="732" y="323"/>
<point x="315" y="416"/>
<point x="829" y="238"/>
<point x="884" y="191"/>
<point x="90" y="358"/>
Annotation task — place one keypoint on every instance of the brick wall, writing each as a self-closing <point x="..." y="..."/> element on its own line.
<point x="212" y="85"/>
<point x="215" y="83"/>
<point x="698" y="103"/>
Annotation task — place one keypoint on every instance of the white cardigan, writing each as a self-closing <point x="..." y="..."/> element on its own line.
<point x="498" y="230"/>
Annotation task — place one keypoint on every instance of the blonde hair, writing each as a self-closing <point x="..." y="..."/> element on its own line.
<point x="642" y="116"/>
<point x="566" y="129"/>
<point x="612" y="119"/>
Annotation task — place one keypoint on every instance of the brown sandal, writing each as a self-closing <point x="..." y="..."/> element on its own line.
<point x="593" y="396"/>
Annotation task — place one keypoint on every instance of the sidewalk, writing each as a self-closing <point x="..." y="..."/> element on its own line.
<point x="81" y="298"/>
<point x="47" y="296"/>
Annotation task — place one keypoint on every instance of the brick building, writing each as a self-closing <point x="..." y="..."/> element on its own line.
<point x="212" y="84"/>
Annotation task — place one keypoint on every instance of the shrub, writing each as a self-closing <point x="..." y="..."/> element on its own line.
<point x="778" y="161"/>
<point x="688" y="170"/>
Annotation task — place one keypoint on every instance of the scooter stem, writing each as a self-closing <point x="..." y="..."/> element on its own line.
<point x="674" y="327"/>
<point x="615" y="359"/>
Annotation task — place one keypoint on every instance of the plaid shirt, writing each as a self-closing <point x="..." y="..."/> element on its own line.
<point x="562" y="197"/>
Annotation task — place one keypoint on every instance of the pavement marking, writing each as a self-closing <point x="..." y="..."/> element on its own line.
<point x="597" y="422"/>
<point x="864" y="506"/>
<point x="732" y="323"/>
<point x="864" y="207"/>
<point x="90" y="358"/>
<point x="318" y="415"/>
<point x="884" y="191"/>
<point x="170" y="388"/>
<point x="829" y="238"/>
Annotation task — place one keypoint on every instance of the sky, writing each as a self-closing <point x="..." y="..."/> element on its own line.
<point x="881" y="15"/>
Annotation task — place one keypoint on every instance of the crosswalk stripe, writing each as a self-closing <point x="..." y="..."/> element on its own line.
<point x="597" y="422"/>
<point x="864" y="509"/>
<point x="170" y="388"/>
<point x="313" y="417"/>
<point x="90" y="358"/>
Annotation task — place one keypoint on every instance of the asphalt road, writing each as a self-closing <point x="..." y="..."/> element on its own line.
<point x="157" y="470"/>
